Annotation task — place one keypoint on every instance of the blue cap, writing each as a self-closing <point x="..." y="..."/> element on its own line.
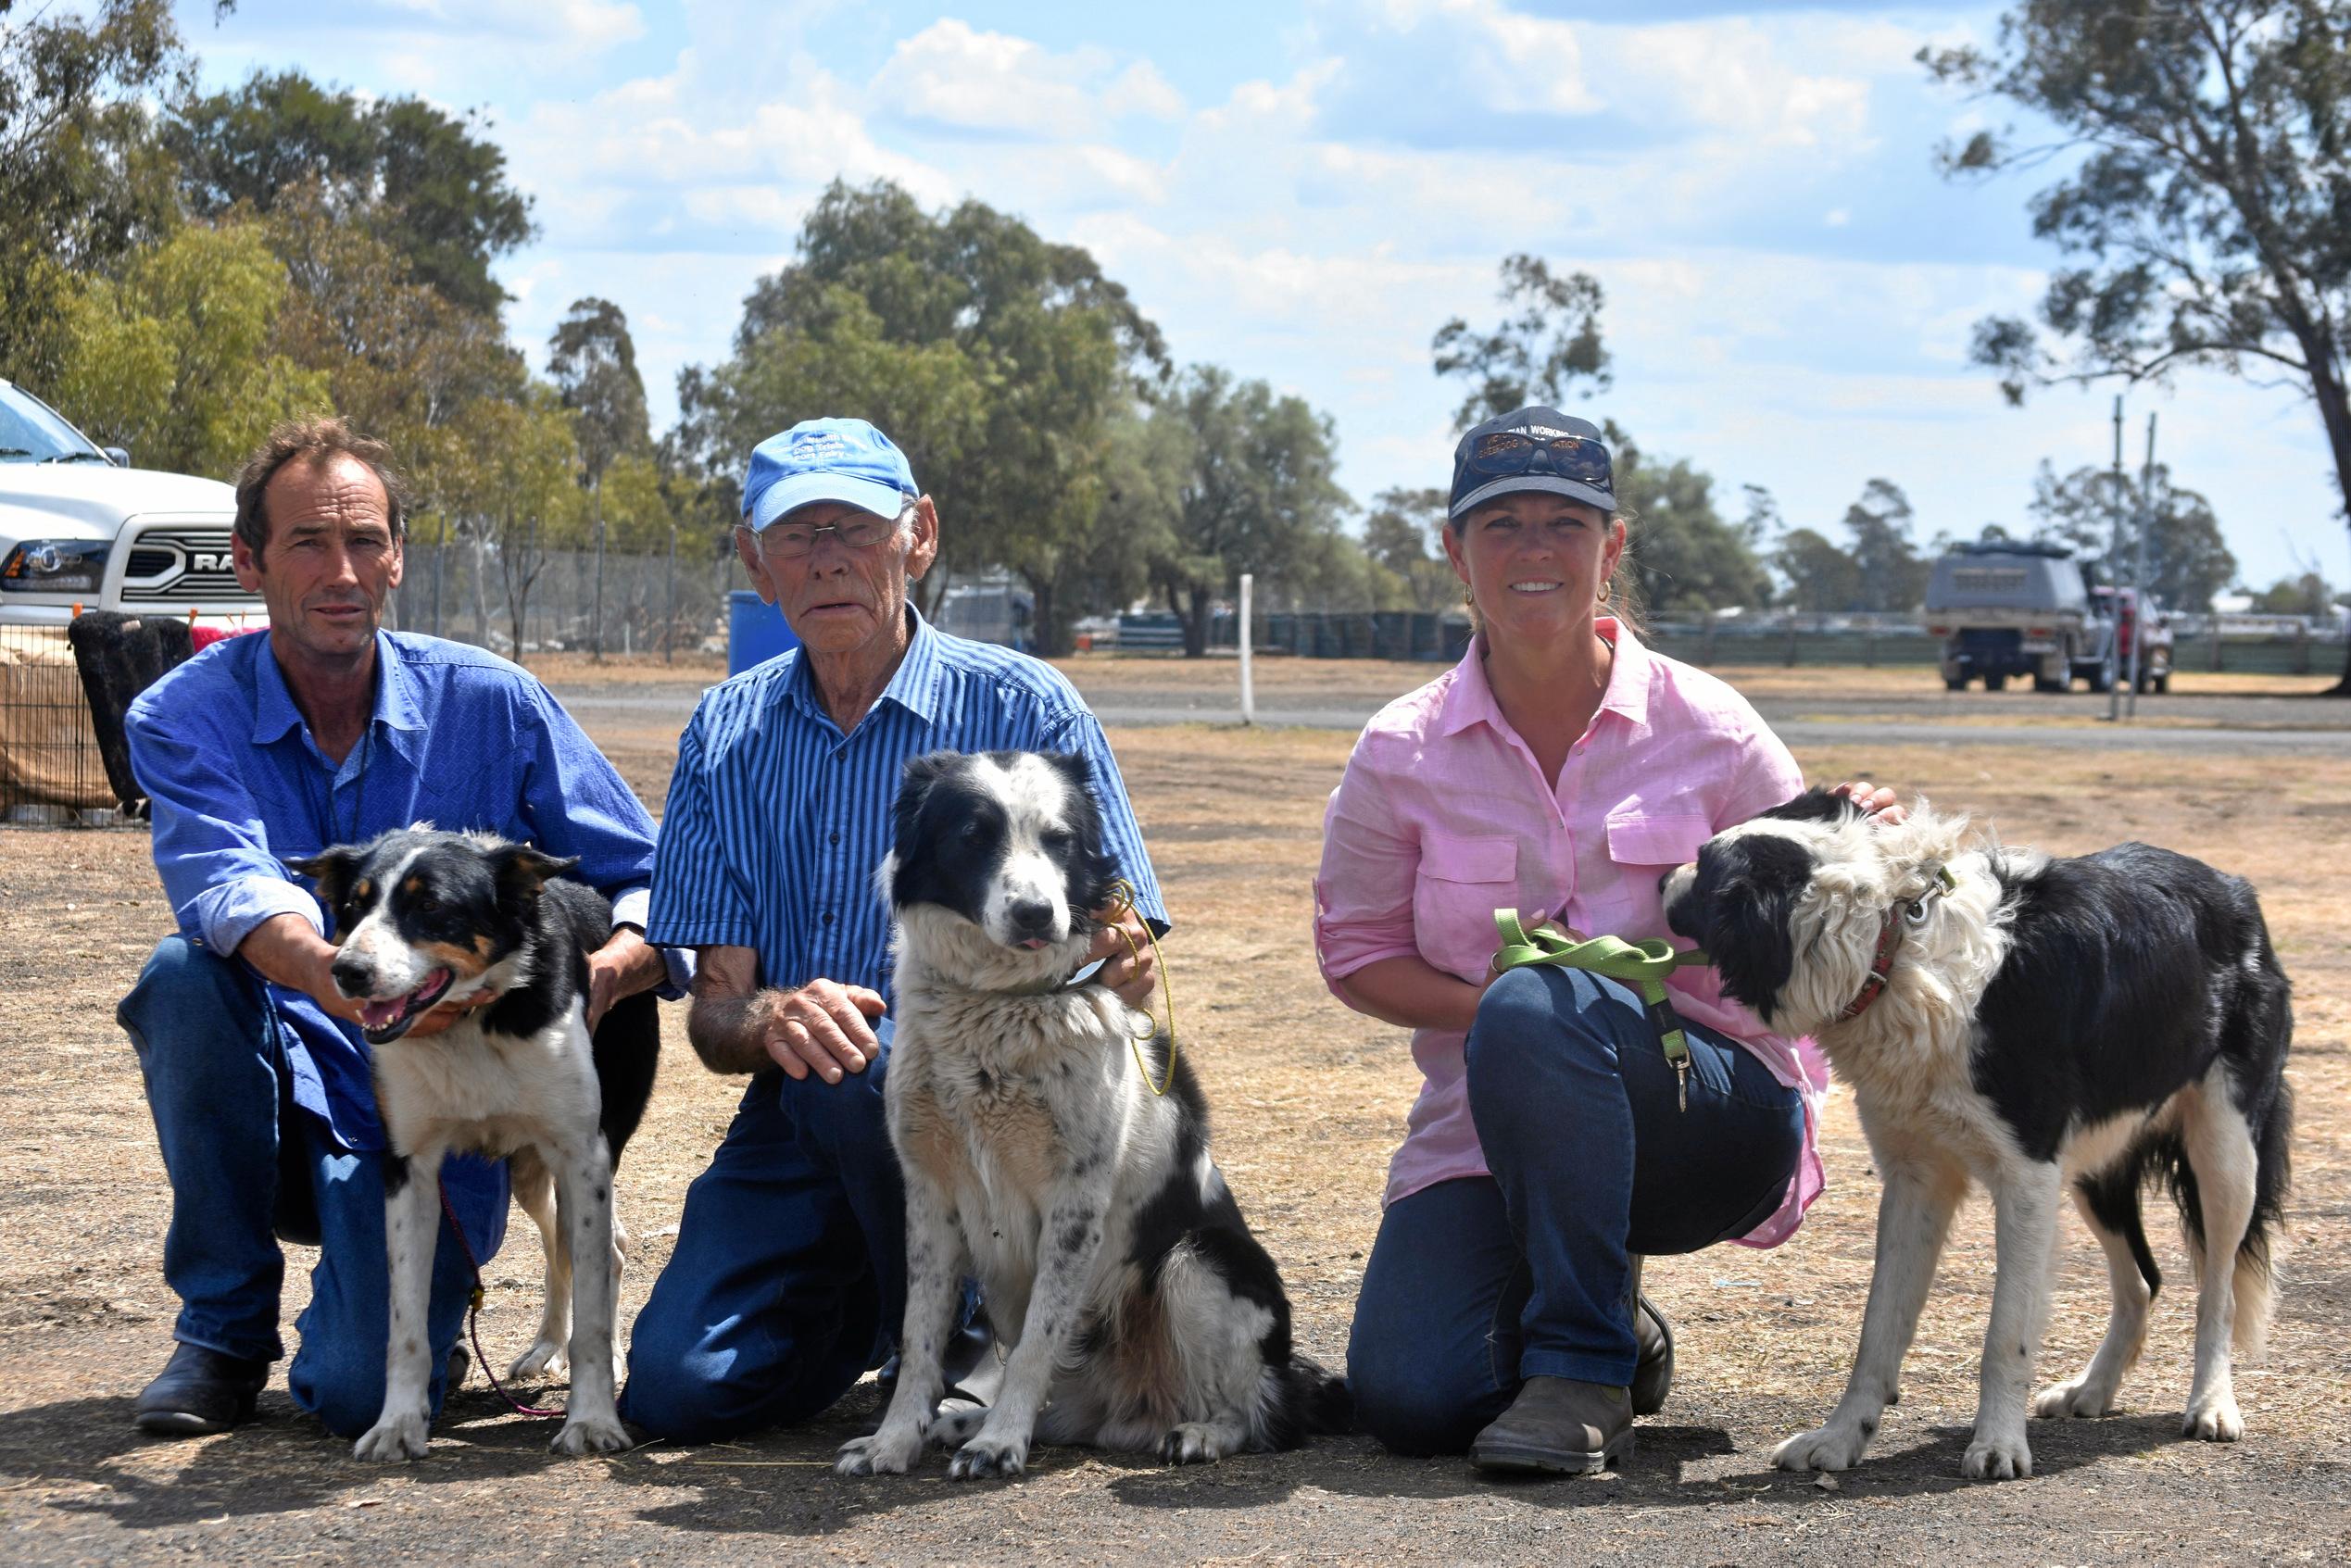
<point x="844" y="461"/>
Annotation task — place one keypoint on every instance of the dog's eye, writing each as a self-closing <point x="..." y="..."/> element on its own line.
<point x="426" y="904"/>
<point x="1059" y="838"/>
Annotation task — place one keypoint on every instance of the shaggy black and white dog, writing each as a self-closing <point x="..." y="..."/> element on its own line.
<point x="424" y="918"/>
<point x="1139" y="1311"/>
<point x="2035" y="1024"/>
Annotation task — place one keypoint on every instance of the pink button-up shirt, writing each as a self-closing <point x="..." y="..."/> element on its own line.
<point x="1444" y="817"/>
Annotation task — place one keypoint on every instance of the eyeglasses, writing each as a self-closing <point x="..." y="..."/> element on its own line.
<point x="1507" y="452"/>
<point x="790" y="541"/>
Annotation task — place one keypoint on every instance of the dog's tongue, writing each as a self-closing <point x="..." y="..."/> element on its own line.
<point x="377" y="1015"/>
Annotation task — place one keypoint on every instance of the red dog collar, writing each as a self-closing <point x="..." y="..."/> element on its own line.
<point x="1912" y="912"/>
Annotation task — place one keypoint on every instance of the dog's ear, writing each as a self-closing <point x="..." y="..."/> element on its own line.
<point x="332" y="870"/>
<point x="914" y="785"/>
<point x="522" y="871"/>
<point x="1752" y="909"/>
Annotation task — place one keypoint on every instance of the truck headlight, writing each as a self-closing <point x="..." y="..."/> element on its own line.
<point x="53" y="565"/>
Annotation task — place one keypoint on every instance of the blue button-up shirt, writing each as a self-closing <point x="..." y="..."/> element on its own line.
<point x="776" y="820"/>
<point x="459" y="738"/>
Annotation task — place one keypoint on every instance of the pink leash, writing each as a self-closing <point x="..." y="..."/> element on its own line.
<point x="473" y="1314"/>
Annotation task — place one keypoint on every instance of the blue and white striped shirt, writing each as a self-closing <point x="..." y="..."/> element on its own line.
<point x="776" y="820"/>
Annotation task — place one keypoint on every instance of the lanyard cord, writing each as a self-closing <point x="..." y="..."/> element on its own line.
<point x="1642" y="965"/>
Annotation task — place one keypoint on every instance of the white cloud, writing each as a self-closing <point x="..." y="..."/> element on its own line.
<point x="588" y="25"/>
<point x="951" y="74"/>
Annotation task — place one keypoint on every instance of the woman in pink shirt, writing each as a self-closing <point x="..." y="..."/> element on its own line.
<point x="1560" y="769"/>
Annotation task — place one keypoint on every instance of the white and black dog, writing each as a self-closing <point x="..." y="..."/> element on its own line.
<point x="424" y="918"/>
<point x="2035" y="1024"/>
<point x="1140" y="1312"/>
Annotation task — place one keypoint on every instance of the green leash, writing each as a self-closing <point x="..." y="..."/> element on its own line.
<point x="1642" y="965"/>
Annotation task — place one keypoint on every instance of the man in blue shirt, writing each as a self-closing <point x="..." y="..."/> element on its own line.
<point x="267" y="748"/>
<point x="788" y="1278"/>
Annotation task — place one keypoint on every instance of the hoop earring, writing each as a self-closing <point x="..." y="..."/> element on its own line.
<point x="1606" y="588"/>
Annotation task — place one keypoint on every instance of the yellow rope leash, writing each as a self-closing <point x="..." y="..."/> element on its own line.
<point x="1125" y="907"/>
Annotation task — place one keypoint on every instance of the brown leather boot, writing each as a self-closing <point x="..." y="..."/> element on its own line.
<point x="1557" y="1426"/>
<point x="1654" y="1374"/>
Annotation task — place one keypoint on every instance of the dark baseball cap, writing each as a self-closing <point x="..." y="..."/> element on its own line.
<point x="1533" y="448"/>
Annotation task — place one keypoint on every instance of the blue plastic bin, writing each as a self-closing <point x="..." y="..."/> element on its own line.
<point x="755" y="631"/>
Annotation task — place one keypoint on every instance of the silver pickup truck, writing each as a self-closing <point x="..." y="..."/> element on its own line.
<point x="78" y="526"/>
<point x="2032" y="610"/>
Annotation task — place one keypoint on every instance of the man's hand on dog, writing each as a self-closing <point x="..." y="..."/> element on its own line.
<point x="622" y="967"/>
<point x="821" y="1028"/>
<point x="1129" y="971"/>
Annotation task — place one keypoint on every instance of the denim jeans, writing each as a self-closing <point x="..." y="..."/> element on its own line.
<point x="246" y="1166"/>
<point x="789" y="1282"/>
<point x="1478" y="1284"/>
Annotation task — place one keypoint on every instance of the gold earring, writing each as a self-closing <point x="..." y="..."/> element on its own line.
<point x="1605" y="589"/>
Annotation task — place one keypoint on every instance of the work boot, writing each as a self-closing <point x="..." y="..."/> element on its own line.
<point x="1654" y="1374"/>
<point x="199" y="1391"/>
<point x="1557" y="1426"/>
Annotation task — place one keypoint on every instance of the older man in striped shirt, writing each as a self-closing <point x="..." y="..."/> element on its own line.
<point x="787" y="1283"/>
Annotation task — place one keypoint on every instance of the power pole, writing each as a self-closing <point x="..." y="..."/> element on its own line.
<point x="2114" y="566"/>
<point x="2139" y="568"/>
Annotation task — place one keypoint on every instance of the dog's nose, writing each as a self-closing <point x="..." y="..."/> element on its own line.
<point x="354" y="975"/>
<point x="1031" y="917"/>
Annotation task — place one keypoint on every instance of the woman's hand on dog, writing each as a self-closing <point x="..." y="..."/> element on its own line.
<point x="1873" y="801"/>
<point x="1131" y="966"/>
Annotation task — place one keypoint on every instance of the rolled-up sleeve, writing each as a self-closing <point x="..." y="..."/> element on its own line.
<point x="1364" y="890"/>
<point x="211" y="847"/>
<point x="1765" y="775"/>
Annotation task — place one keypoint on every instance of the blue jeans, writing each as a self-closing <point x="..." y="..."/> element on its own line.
<point x="245" y="1165"/>
<point x="1475" y="1284"/>
<point x="789" y="1282"/>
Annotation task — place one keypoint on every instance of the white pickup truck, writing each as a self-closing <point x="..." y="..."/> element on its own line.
<point x="78" y="526"/>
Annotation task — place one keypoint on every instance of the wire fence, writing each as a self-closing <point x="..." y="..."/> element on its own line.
<point x="551" y="601"/>
<point x="51" y="773"/>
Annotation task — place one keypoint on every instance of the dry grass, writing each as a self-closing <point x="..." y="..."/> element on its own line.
<point x="1310" y="1100"/>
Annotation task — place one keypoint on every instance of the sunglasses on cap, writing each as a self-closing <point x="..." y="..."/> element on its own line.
<point x="1507" y="452"/>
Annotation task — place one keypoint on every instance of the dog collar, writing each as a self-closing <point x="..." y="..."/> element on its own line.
<point x="1901" y="912"/>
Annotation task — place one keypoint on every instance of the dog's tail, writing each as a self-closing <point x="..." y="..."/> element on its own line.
<point x="1325" y="1407"/>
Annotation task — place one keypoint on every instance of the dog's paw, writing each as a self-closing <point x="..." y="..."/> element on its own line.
<point x="2213" y="1421"/>
<point x="884" y="1453"/>
<point x="549" y="1358"/>
<point x="1192" y="1443"/>
<point x="2076" y="1397"/>
<point x="985" y="1456"/>
<point x="954" y="1428"/>
<point x="393" y="1437"/>
<point x="1998" y="1459"/>
<point x="1832" y="1446"/>
<point x="591" y="1435"/>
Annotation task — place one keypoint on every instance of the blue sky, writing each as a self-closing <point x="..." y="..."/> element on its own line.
<point x="1304" y="190"/>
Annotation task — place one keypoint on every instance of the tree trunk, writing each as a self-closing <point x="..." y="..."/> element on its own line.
<point x="1048" y="637"/>
<point x="1195" y="615"/>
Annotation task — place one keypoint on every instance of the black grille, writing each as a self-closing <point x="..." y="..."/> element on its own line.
<point x="149" y="563"/>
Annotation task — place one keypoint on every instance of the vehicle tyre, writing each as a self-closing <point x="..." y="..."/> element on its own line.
<point x="2102" y="678"/>
<point x="2163" y="682"/>
<point x="1955" y="683"/>
<point x="2049" y="683"/>
<point x="1994" y="682"/>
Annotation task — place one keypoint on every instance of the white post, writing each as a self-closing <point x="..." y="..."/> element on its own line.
<point x="1249" y="691"/>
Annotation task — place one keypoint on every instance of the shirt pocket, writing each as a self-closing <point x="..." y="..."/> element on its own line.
<point x="1462" y="880"/>
<point x="1643" y="847"/>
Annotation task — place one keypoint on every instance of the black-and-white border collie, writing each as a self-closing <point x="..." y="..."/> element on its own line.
<point x="1139" y="1311"/>
<point x="425" y="918"/>
<point x="2038" y="1025"/>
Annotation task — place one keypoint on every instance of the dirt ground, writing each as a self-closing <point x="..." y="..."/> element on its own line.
<point x="1310" y="1100"/>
